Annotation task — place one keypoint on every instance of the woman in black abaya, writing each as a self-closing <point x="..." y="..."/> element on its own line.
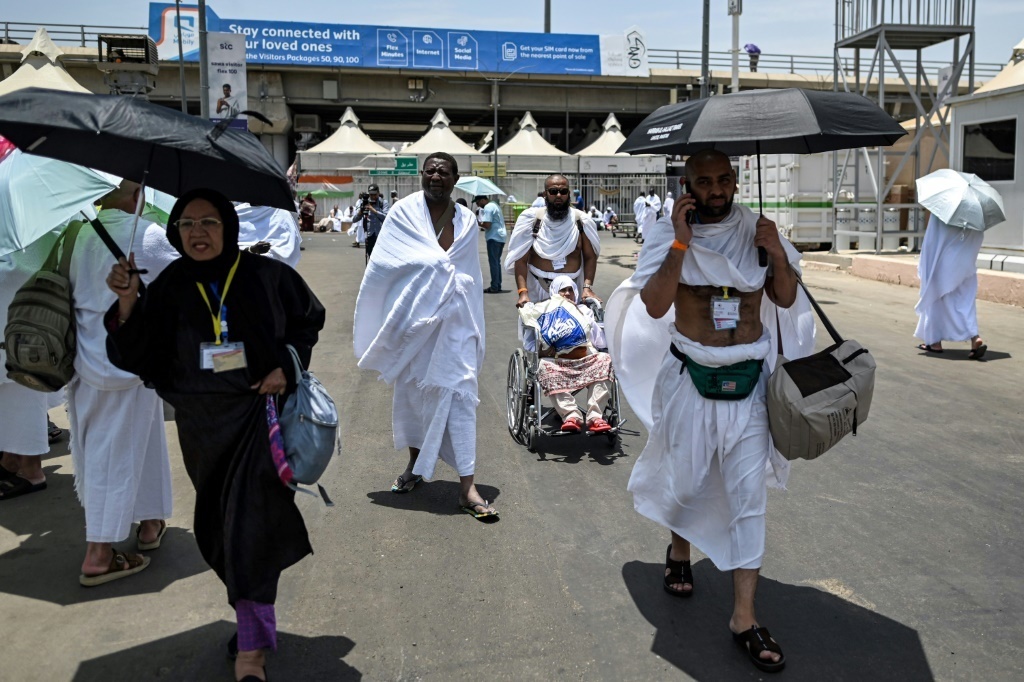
<point x="183" y="335"/>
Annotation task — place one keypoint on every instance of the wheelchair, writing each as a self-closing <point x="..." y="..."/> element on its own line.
<point x="529" y="411"/>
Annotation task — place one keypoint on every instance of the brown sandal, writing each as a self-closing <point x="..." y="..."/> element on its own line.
<point x="121" y="566"/>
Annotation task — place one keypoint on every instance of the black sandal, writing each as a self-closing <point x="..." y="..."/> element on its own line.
<point x="756" y="641"/>
<point x="678" y="572"/>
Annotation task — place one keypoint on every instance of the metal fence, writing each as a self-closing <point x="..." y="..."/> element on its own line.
<point x="857" y="16"/>
<point x="787" y="63"/>
<point x="81" y="35"/>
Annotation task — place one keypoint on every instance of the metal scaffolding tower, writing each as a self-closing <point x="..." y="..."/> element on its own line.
<point x="891" y="29"/>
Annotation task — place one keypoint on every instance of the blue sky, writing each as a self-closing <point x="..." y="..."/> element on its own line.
<point x="787" y="27"/>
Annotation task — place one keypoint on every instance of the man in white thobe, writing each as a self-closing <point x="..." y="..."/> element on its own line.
<point x="419" y="321"/>
<point x="118" y="445"/>
<point x="947" y="309"/>
<point x="699" y="386"/>
<point x="645" y="216"/>
<point x="551" y="241"/>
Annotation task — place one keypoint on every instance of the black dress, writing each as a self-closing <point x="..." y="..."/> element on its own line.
<point x="246" y="522"/>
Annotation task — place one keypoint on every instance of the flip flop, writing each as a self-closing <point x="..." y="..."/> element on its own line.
<point x="926" y="347"/>
<point x="471" y="509"/>
<point x="6" y="475"/>
<point x="145" y="546"/>
<point x="757" y="640"/>
<point x="121" y="566"/>
<point x="16" y="486"/>
<point x="405" y="485"/>
<point x="977" y="353"/>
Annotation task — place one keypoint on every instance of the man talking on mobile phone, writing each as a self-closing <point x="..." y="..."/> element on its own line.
<point x="699" y="385"/>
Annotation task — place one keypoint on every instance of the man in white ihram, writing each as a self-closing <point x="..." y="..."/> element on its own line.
<point x="118" y="445"/>
<point x="420" y="322"/>
<point x="947" y="309"/>
<point x="699" y="385"/>
<point x="645" y="216"/>
<point x="551" y="241"/>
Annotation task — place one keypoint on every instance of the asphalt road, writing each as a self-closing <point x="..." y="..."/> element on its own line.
<point x="897" y="556"/>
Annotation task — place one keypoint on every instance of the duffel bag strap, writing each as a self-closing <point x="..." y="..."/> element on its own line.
<point x="821" y="314"/>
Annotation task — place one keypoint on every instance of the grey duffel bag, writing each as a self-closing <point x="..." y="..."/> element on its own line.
<point x="309" y="426"/>
<point x="815" y="401"/>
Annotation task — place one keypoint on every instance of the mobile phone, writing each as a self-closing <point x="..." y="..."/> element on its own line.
<point x="690" y="214"/>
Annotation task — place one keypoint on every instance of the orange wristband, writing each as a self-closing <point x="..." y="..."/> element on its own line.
<point x="679" y="246"/>
<point x="522" y="290"/>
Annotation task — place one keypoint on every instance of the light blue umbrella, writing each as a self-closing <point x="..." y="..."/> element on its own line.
<point x="158" y="206"/>
<point x="38" y="194"/>
<point x="478" y="186"/>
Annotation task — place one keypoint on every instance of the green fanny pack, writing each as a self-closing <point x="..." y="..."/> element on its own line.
<point x="731" y="382"/>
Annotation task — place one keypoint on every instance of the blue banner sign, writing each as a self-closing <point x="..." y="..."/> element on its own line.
<point x="294" y="43"/>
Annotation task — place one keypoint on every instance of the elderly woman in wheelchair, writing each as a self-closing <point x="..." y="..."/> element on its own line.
<point x="567" y="338"/>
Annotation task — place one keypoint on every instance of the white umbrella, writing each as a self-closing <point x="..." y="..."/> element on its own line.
<point x="960" y="199"/>
<point x="478" y="186"/>
<point x="38" y="194"/>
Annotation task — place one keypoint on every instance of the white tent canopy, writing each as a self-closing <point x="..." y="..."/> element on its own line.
<point x="40" y="68"/>
<point x="528" y="142"/>
<point x="609" y="142"/>
<point x="439" y="138"/>
<point x="1011" y="76"/>
<point x="349" y="139"/>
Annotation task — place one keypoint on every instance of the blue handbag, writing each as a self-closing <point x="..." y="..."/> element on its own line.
<point x="309" y="426"/>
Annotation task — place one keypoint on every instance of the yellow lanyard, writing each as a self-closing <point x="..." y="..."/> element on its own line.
<point x="220" y="310"/>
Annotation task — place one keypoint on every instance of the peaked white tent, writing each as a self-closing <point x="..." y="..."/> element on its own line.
<point x="609" y="142"/>
<point x="40" y="68"/>
<point x="439" y="138"/>
<point x="528" y="142"/>
<point x="349" y="139"/>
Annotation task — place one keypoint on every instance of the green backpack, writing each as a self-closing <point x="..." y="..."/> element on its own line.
<point x="40" y="337"/>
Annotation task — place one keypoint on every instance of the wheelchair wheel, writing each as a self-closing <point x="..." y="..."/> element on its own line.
<point x="516" y="392"/>
<point x="533" y="437"/>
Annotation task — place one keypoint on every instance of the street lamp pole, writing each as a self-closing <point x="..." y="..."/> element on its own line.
<point x="494" y="143"/>
<point x="705" y="75"/>
<point x="204" y="70"/>
<point x="181" y="60"/>
<point x="547" y="16"/>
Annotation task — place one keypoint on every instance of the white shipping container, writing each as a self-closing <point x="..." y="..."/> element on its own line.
<point x="796" y="193"/>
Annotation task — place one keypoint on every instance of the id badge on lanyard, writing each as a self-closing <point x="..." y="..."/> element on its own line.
<point x="725" y="311"/>
<point x="221" y="355"/>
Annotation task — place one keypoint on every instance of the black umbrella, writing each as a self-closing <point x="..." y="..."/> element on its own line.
<point x="149" y="143"/>
<point x="789" y="121"/>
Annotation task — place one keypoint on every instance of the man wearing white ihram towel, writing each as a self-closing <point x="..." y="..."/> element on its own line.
<point x="693" y="339"/>
<point x="419" y="321"/>
<point x="947" y="309"/>
<point x="118" y="445"/>
<point x="553" y="240"/>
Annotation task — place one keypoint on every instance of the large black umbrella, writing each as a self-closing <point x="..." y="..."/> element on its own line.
<point x="789" y="121"/>
<point x="144" y="142"/>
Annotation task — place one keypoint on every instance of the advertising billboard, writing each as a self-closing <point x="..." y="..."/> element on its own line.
<point x="293" y="43"/>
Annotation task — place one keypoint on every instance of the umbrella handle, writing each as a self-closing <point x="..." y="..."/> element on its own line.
<point x="762" y="255"/>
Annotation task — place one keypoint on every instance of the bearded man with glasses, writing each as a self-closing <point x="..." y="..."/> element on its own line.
<point x="551" y="241"/>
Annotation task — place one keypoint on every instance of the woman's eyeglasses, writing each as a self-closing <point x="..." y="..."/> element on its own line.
<point x="555" y="191"/>
<point x="186" y="224"/>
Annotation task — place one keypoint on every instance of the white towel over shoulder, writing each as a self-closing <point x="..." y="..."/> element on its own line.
<point x="419" y="321"/>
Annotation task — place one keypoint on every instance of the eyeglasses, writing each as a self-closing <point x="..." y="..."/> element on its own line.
<point x="186" y="224"/>
<point x="555" y="191"/>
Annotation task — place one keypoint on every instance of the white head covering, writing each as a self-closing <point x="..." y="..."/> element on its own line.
<point x="561" y="282"/>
